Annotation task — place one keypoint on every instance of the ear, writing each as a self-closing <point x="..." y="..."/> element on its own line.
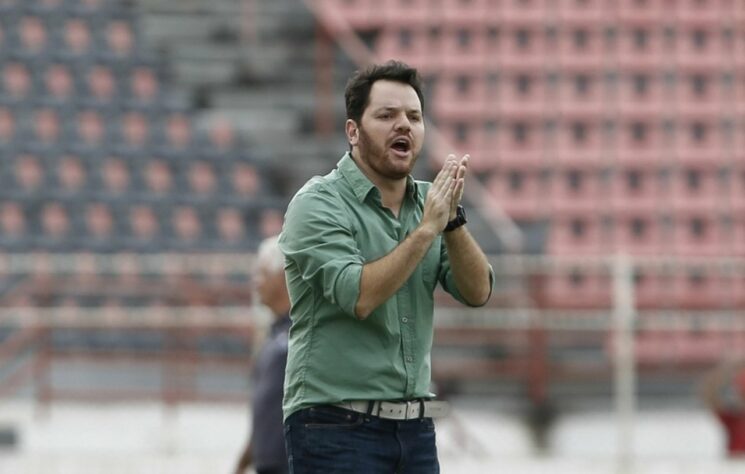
<point x="353" y="132"/>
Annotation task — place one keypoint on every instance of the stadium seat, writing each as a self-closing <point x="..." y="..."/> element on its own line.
<point x="115" y="176"/>
<point x="581" y="92"/>
<point x="144" y="227"/>
<point x="697" y="46"/>
<point x="517" y="11"/>
<point x="577" y="233"/>
<point x="101" y="84"/>
<point x="7" y="125"/>
<point x="577" y="289"/>
<point x="17" y="82"/>
<point x="29" y="173"/>
<point x="14" y="226"/>
<point x="33" y="35"/>
<point x="697" y="233"/>
<point x="59" y="83"/>
<point x="697" y="187"/>
<point x="516" y="188"/>
<point x="100" y="225"/>
<point x="55" y="227"/>
<point x="134" y="133"/>
<point x="581" y="47"/>
<point x="637" y="232"/>
<point x="582" y="12"/>
<point x="201" y="178"/>
<point x="158" y="176"/>
<point x="230" y="227"/>
<point x="577" y="188"/>
<point x="635" y="187"/>
<point x="642" y="92"/>
<point x="186" y="225"/>
<point x="77" y="38"/>
<point x="71" y="174"/>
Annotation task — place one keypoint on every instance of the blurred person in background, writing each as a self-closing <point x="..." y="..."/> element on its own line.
<point x="723" y="390"/>
<point x="365" y="247"/>
<point x="265" y="450"/>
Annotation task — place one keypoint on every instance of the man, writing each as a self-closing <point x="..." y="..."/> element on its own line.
<point x="365" y="246"/>
<point x="723" y="390"/>
<point x="266" y="448"/>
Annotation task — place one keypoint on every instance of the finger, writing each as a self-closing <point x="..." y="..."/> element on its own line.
<point x="447" y="171"/>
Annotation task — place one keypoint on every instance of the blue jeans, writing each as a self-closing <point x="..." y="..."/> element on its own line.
<point x="327" y="439"/>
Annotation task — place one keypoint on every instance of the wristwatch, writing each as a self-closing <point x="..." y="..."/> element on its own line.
<point x="459" y="220"/>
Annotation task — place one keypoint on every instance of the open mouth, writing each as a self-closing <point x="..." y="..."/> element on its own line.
<point x="401" y="145"/>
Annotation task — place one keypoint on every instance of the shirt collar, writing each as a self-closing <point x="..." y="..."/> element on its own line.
<point x="361" y="185"/>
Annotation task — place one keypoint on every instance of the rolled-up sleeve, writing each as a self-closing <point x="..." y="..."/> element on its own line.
<point x="447" y="280"/>
<point x="318" y="242"/>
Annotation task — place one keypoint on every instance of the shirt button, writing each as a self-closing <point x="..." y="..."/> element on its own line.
<point x="409" y="359"/>
<point x="404" y="319"/>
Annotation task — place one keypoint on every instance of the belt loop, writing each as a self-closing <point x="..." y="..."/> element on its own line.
<point x="370" y="406"/>
<point x="421" y="408"/>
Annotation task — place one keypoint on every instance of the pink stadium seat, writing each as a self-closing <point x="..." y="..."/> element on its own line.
<point x="642" y="92"/>
<point x="71" y="174"/>
<point x="640" y="46"/>
<point x="13" y="221"/>
<point x="699" y="92"/>
<point x="409" y="44"/>
<point x="16" y="80"/>
<point x="415" y="14"/>
<point x="530" y="11"/>
<point x="639" y="138"/>
<point x="576" y="189"/>
<point x="28" y="172"/>
<point x="135" y="129"/>
<point x="186" y="224"/>
<point x="119" y="37"/>
<point x="523" y="92"/>
<point x="99" y="221"/>
<point x="91" y="129"/>
<point x="115" y="175"/>
<point x="581" y="46"/>
<point x="639" y="233"/>
<point x="33" y="34"/>
<point x="7" y="125"/>
<point x="579" y="139"/>
<point x="463" y="48"/>
<point x="143" y="222"/>
<point x="201" y="177"/>
<point x="467" y="12"/>
<point x="101" y="83"/>
<point x="699" y="45"/>
<point x="698" y="138"/>
<point x="459" y="96"/>
<point x="629" y="11"/>
<point x="524" y="46"/>
<point x="634" y="187"/>
<point x="697" y="234"/>
<point x="696" y="187"/>
<point x="577" y="233"/>
<point x="703" y="12"/>
<point x="58" y="82"/>
<point x="578" y="289"/>
<point x="158" y="176"/>
<point x="77" y="36"/>
<point x="230" y="225"/>
<point x="517" y="188"/>
<point x="47" y="125"/>
<point x="738" y="187"/>
<point x="576" y="12"/>
<point x="361" y="14"/>
<point x="581" y="92"/>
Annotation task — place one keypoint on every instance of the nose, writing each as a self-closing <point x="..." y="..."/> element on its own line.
<point x="403" y="123"/>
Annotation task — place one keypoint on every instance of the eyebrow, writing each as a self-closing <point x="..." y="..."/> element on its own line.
<point x="390" y="108"/>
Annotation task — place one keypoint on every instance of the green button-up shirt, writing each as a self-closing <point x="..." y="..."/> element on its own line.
<point x="333" y="226"/>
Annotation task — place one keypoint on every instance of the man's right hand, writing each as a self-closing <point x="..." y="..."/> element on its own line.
<point x="439" y="197"/>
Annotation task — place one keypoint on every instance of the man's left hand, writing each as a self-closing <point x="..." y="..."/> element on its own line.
<point x="459" y="175"/>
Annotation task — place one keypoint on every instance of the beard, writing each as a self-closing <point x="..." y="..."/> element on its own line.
<point x="379" y="159"/>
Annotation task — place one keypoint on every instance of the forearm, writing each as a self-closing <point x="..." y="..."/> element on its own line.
<point x="469" y="266"/>
<point x="382" y="278"/>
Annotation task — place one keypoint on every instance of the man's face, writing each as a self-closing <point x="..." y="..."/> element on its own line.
<point x="391" y="133"/>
